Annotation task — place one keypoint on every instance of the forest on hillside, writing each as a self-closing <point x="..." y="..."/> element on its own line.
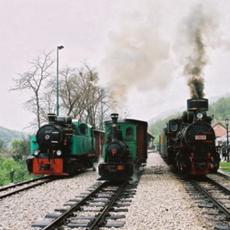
<point x="7" y="136"/>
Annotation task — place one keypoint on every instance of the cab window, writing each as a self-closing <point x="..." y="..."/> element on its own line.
<point x="129" y="133"/>
<point x="173" y="126"/>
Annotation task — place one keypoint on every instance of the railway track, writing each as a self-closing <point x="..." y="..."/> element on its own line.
<point x="100" y="207"/>
<point x="223" y="174"/>
<point x="212" y="194"/>
<point x="10" y="190"/>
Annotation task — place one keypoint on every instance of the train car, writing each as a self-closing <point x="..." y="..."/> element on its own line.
<point x="63" y="147"/>
<point x="124" y="148"/>
<point x="188" y="143"/>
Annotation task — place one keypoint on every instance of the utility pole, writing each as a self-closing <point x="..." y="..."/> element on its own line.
<point x="57" y="89"/>
<point x="227" y="150"/>
<point x="102" y="112"/>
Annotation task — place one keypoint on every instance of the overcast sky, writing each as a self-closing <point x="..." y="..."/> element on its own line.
<point x="93" y="31"/>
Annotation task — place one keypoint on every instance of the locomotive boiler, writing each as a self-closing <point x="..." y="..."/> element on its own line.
<point x="188" y="142"/>
<point x="63" y="147"/>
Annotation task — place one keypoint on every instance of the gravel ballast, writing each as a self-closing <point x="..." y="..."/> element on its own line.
<point x="21" y="210"/>
<point x="161" y="202"/>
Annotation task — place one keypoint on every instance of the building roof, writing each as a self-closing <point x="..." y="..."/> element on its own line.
<point x="219" y="129"/>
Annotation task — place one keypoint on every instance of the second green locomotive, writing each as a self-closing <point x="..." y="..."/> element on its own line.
<point x="124" y="149"/>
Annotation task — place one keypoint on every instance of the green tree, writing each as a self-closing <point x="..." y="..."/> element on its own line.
<point x="221" y="109"/>
<point x="2" y="145"/>
<point x="20" y="149"/>
<point x="7" y="165"/>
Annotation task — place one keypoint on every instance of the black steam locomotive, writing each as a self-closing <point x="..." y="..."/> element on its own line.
<point x="188" y="142"/>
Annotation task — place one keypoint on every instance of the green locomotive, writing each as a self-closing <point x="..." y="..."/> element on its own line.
<point x="124" y="149"/>
<point x="63" y="147"/>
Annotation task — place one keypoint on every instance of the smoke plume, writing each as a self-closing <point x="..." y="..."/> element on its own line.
<point x="199" y="29"/>
<point x="196" y="85"/>
<point x="135" y="58"/>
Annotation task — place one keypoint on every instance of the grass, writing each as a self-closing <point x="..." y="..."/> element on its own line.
<point x="225" y="166"/>
<point x="7" y="165"/>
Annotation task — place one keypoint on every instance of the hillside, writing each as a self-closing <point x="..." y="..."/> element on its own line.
<point x="7" y="135"/>
<point x="220" y="110"/>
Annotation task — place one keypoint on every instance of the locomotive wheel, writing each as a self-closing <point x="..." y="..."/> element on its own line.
<point x="178" y="164"/>
<point x="215" y="169"/>
<point x="180" y="167"/>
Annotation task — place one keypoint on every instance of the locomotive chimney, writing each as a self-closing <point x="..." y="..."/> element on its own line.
<point x="200" y="104"/>
<point x="114" y="117"/>
<point x="51" y="117"/>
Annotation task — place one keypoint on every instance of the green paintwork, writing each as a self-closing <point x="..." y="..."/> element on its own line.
<point x="33" y="144"/>
<point x="130" y="140"/>
<point x="82" y="140"/>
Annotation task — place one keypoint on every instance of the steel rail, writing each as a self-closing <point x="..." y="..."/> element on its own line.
<point x="224" y="189"/>
<point x="101" y="217"/>
<point x="211" y="198"/>
<point x="77" y="206"/>
<point x="25" y="188"/>
<point x="222" y="174"/>
<point x="21" y="183"/>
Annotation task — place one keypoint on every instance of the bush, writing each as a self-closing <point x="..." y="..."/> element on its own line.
<point x="225" y="166"/>
<point x="9" y="165"/>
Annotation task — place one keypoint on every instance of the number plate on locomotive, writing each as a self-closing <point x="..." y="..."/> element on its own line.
<point x="200" y="137"/>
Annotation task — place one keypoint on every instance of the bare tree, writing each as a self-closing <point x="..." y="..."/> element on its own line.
<point x="71" y="92"/>
<point x="105" y="108"/>
<point x="81" y="96"/>
<point x="48" y="100"/>
<point x="91" y="96"/>
<point x="33" y="80"/>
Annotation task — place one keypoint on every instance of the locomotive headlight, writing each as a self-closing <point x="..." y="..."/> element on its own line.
<point x="199" y="115"/>
<point x="58" y="152"/>
<point x="36" y="152"/>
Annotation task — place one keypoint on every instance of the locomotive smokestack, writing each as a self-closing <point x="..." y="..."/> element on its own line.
<point x="114" y="117"/>
<point x="200" y="104"/>
<point x="51" y="117"/>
